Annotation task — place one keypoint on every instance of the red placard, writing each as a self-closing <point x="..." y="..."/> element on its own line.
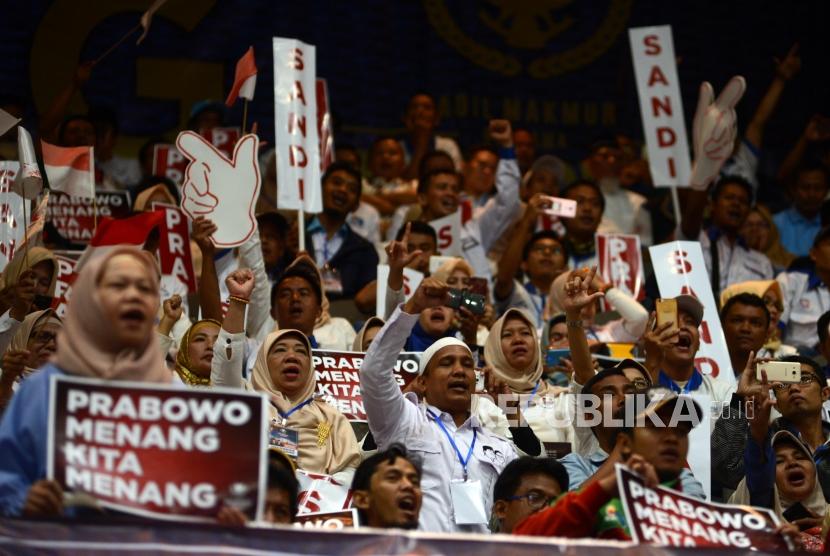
<point x="74" y="217"/>
<point x="344" y="519"/>
<point x="174" y="246"/>
<point x="158" y="451"/>
<point x="620" y="263"/>
<point x="338" y="379"/>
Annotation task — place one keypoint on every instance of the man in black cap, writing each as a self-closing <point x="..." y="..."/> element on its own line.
<point x="524" y="487"/>
<point x="297" y="297"/>
<point x="671" y="351"/>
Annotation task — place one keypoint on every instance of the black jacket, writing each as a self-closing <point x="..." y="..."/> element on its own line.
<point x="356" y="261"/>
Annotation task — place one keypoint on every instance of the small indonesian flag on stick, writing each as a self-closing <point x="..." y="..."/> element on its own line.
<point x="70" y="170"/>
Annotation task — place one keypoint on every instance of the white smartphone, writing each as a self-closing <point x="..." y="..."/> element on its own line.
<point x="779" y="371"/>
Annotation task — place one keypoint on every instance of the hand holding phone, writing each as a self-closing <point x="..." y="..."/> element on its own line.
<point x="666" y="310"/>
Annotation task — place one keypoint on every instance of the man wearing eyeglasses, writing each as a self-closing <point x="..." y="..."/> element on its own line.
<point x="738" y="443"/>
<point x="524" y="487"/>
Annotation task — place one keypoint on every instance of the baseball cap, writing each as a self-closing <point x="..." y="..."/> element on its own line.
<point x="663" y="403"/>
<point x="690" y="305"/>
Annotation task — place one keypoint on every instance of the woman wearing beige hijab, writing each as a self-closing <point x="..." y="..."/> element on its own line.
<point x="285" y="372"/>
<point x="32" y="346"/>
<point x="512" y="354"/>
<point x="108" y="334"/>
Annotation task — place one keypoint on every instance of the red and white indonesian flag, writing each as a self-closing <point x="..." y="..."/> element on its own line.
<point x="244" y="80"/>
<point x="70" y="169"/>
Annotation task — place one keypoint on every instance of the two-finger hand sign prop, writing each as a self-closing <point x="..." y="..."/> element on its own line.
<point x="223" y="191"/>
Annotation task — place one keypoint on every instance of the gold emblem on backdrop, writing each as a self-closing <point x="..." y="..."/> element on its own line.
<point x="528" y="25"/>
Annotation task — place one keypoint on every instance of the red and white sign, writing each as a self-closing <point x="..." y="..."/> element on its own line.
<point x="679" y="269"/>
<point x="174" y="246"/>
<point x="324" y="128"/>
<point x="170" y="163"/>
<point x="244" y="80"/>
<point x="661" y="106"/>
<point x="11" y="213"/>
<point x="321" y="494"/>
<point x="411" y="281"/>
<point x="74" y="217"/>
<point x="338" y="378"/>
<point x="621" y="262"/>
<point x="63" y="283"/>
<point x="158" y="451"/>
<point x="69" y="169"/>
<point x="295" y="126"/>
<point x="448" y="230"/>
<point x="667" y="517"/>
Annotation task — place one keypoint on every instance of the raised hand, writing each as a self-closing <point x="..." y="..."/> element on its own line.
<point x="656" y="340"/>
<point x="501" y="133"/>
<point x="14" y="363"/>
<point x="203" y="229"/>
<point x="787" y="68"/>
<point x="24" y="295"/>
<point x="714" y="130"/>
<point x="577" y="291"/>
<point x="397" y="252"/>
<point x="432" y="292"/>
<point x="224" y="190"/>
<point x="241" y="283"/>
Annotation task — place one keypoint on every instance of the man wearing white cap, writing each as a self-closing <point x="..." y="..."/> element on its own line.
<point x="460" y="459"/>
<point x="670" y="353"/>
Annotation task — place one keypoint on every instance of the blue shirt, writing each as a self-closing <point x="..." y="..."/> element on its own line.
<point x="23" y="433"/>
<point x="581" y="468"/>
<point x="797" y="233"/>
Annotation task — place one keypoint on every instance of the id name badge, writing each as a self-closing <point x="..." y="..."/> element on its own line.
<point x="331" y="280"/>
<point x="286" y="439"/>
<point x="468" y="503"/>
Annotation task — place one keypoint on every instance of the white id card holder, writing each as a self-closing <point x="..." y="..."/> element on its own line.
<point x="468" y="503"/>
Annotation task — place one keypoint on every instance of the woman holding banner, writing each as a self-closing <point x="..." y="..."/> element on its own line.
<point x="315" y="433"/>
<point x="108" y="334"/>
<point x="513" y="356"/>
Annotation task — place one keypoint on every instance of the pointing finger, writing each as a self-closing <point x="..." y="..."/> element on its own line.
<point x="705" y="98"/>
<point x="196" y="148"/>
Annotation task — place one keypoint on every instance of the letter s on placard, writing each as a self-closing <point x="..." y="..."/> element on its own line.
<point x="652" y="43"/>
<point x="445" y="237"/>
<point x="678" y="263"/>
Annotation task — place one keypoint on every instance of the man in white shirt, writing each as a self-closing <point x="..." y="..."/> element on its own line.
<point x="460" y="459"/>
<point x="727" y="259"/>
<point x="806" y="296"/>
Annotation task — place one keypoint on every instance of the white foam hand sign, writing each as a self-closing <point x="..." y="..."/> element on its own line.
<point x="224" y="191"/>
<point x="714" y="130"/>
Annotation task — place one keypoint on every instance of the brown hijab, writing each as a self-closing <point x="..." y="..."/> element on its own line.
<point x="326" y="441"/>
<point x="23" y="262"/>
<point x="86" y="345"/>
<point x="521" y="381"/>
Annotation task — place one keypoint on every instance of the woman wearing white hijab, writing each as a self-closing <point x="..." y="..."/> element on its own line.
<point x="512" y="354"/>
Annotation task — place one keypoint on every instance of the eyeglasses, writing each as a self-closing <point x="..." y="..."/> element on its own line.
<point x="806" y="380"/>
<point x="640" y="384"/>
<point x="44" y="338"/>
<point x="535" y="499"/>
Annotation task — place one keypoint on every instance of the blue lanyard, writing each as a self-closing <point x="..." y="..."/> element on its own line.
<point x="532" y="394"/>
<point x="297" y="407"/>
<point x="464" y="461"/>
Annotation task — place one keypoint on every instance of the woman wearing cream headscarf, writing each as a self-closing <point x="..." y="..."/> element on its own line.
<point x="154" y="194"/>
<point x="770" y="292"/>
<point x="513" y="356"/>
<point x="108" y="334"/>
<point x="35" y="273"/>
<point x="193" y="361"/>
<point x="367" y="333"/>
<point x="788" y="484"/>
<point x="760" y="233"/>
<point x="285" y="372"/>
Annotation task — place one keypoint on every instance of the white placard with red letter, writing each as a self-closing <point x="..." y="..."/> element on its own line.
<point x="11" y="213"/>
<point x="448" y="230"/>
<point x="63" y="283"/>
<point x="295" y="126"/>
<point x="679" y="269"/>
<point x="661" y="107"/>
<point x="174" y="246"/>
<point x="621" y="262"/>
<point x="411" y="281"/>
<point x="321" y="493"/>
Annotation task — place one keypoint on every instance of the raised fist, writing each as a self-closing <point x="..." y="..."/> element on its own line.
<point x="501" y="133"/>
<point x="714" y="130"/>
<point x="225" y="191"/>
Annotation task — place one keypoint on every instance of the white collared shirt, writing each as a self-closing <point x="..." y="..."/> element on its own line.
<point x="806" y="298"/>
<point x="394" y="417"/>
